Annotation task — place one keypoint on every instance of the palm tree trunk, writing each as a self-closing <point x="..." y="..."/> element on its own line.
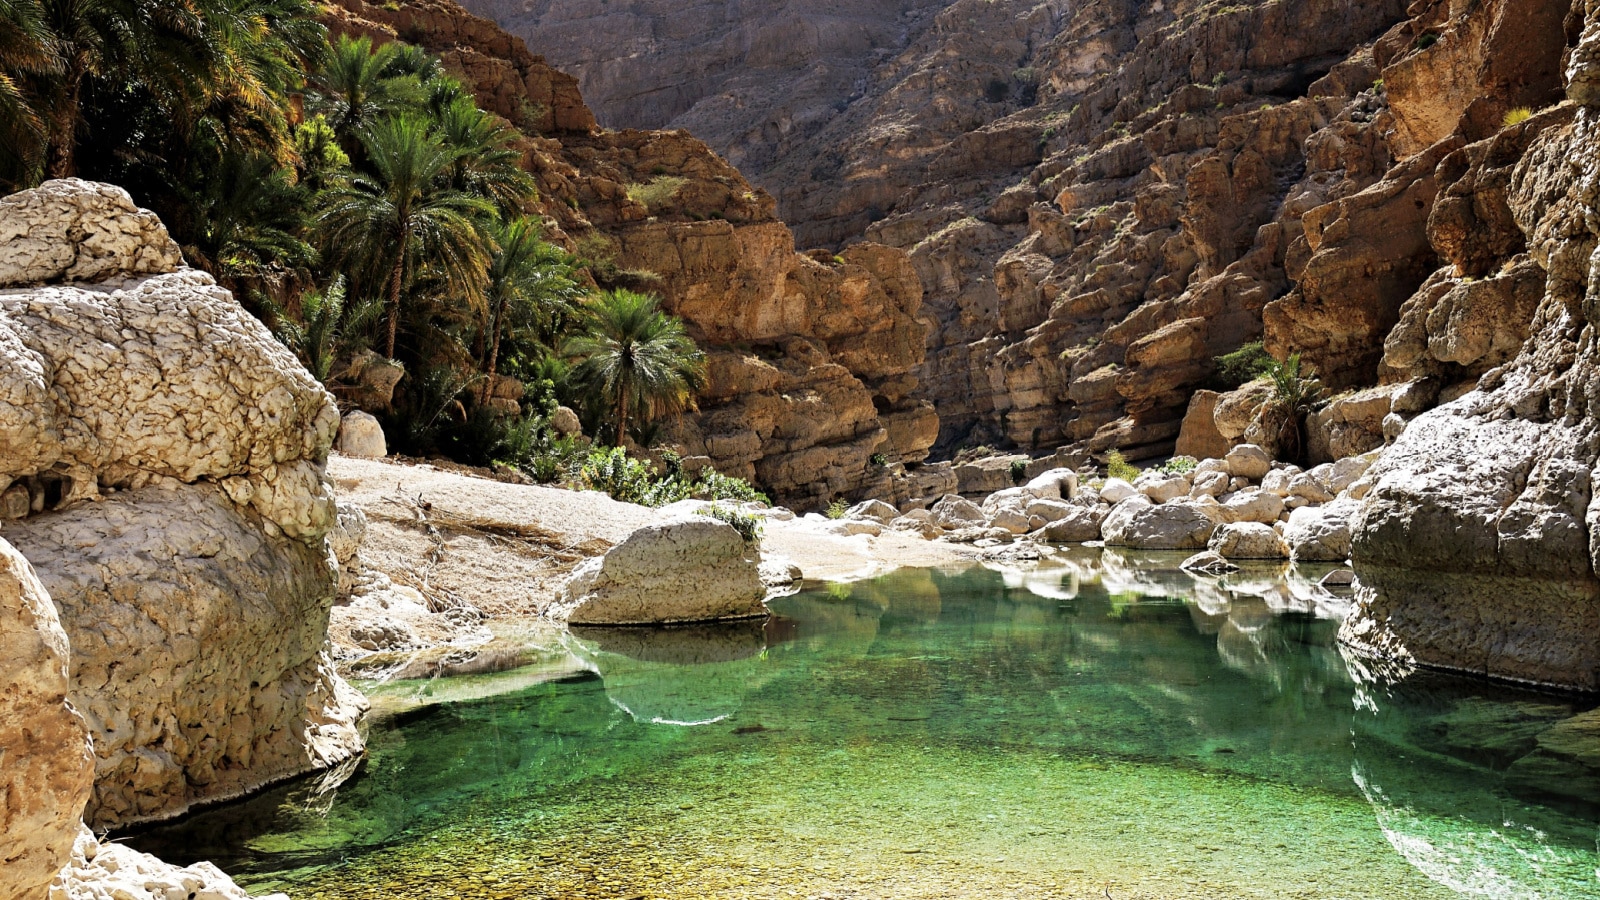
<point x="61" y="161"/>
<point x="493" y="364"/>
<point x="394" y="299"/>
<point x="622" y="412"/>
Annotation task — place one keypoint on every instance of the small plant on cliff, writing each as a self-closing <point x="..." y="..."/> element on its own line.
<point x="837" y="509"/>
<point x="1019" y="471"/>
<point x="1517" y="116"/>
<point x="658" y="192"/>
<point x="1294" y="390"/>
<point x="878" y="460"/>
<point x="1242" y="366"/>
<point x="1118" y="466"/>
<point x="748" y="525"/>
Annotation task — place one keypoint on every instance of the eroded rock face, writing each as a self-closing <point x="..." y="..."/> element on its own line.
<point x="686" y="569"/>
<point x="170" y="454"/>
<point x="812" y="359"/>
<point x="74" y="230"/>
<point x="199" y="634"/>
<point x="1476" y="545"/>
<point x="48" y="763"/>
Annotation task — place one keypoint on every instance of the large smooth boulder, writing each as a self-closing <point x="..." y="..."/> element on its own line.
<point x="46" y="762"/>
<point x="953" y="512"/>
<point x="1177" y="525"/>
<point x="361" y="435"/>
<point x="1252" y="505"/>
<point x="1055" y="484"/>
<point x="1081" y="523"/>
<point x="1248" y="461"/>
<point x="1320" y="533"/>
<point x="684" y="569"/>
<point x="873" y="510"/>
<point x="1248" y="540"/>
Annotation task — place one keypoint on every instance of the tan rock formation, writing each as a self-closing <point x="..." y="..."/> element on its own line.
<point x="171" y="450"/>
<point x="1475" y="547"/>
<point x="49" y="763"/>
<point x="812" y="359"/>
<point x="685" y="569"/>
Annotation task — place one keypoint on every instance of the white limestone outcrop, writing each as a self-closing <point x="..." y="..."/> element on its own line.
<point x="687" y="568"/>
<point x="46" y="762"/>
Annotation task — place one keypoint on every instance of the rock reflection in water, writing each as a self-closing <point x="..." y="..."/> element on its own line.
<point x="1445" y="764"/>
<point x="680" y="675"/>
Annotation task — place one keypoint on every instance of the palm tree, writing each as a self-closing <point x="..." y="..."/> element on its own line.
<point x="404" y="217"/>
<point x="247" y="214"/>
<point x="637" y="357"/>
<point x="355" y="87"/>
<point x="488" y="162"/>
<point x="160" y="45"/>
<point x="329" y="326"/>
<point x="1293" y="394"/>
<point x="27" y="53"/>
<point x="528" y="279"/>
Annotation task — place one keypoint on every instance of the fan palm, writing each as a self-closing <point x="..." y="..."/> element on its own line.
<point x="404" y="217"/>
<point x="247" y="214"/>
<point x="637" y="357"/>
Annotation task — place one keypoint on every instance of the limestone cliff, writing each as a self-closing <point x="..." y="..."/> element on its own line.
<point x="162" y="460"/>
<point x="812" y="356"/>
<point x="1099" y="197"/>
<point x="1479" y="545"/>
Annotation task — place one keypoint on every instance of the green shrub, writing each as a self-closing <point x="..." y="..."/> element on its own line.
<point x="716" y="486"/>
<point x="658" y="192"/>
<point x="837" y="509"/>
<point x="748" y="525"/>
<point x="612" y="471"/>
<point x="1019" y="471"/>
<point x="1517" y="116"/>
<point x="1118" y="467"/>
<point x="1242" y="366"/>
<point x="1424" y="41"/>
<point x="878" y="460"/>
<point x="1180" y="465"/>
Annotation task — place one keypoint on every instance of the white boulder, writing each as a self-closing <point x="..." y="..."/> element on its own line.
<point x="361" y="435"/>
<point x="1249" y="461"/>
<point x="1248" y="540"/>
<point x="1320" y="533"/>
<point x="684" y="569"/>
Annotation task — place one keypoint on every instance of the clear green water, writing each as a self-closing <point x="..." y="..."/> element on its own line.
<point x="1095" y="728"/>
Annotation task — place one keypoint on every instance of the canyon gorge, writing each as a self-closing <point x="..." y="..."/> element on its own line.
<point x="943" y="257"/>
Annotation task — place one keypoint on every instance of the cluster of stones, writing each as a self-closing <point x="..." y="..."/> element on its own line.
<point x="1242" y="506"/>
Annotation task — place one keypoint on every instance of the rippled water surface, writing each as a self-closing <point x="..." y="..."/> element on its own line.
<point x="1095" y="727"/>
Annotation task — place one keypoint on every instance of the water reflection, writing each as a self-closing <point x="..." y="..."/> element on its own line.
<point x="1083" y="663"/>
<point x="686" y="675"/>
<point x="1464" y="782"/>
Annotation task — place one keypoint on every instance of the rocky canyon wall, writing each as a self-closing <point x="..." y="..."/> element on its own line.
<point x="161" y="460"/>
<point x="1100" y="197"/>
<point x="812" y="388"/>
<point x="1479" y="545"/>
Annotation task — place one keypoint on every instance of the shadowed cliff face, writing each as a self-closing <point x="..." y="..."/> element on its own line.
<point x="811" y="356"/>
<point x="1099" y="197"/>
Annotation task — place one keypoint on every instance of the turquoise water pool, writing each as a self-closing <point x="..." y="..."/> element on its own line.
<point x="1098" y="726"/>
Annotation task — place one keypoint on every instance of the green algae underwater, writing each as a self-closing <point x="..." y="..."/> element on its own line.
<point x="1095" y="727"/>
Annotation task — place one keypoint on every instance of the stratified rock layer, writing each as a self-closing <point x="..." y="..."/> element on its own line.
<point x="48" y="765"/>
<point x="812" y="357"/>
<point x="1478" y="546"/>
<point x="166" y="452"/>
